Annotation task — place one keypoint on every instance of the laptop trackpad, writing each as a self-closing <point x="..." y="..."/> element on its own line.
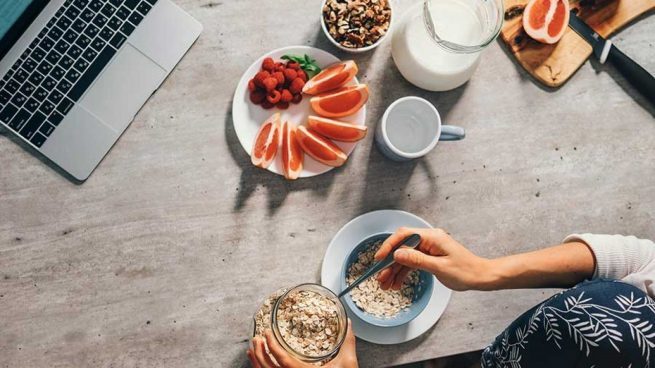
<point x="123" y="87"/>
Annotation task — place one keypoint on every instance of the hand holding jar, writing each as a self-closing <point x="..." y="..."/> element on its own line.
<point x="259" y="358"/>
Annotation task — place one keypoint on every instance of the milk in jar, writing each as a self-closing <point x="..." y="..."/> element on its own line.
<point x="425" y="63"/>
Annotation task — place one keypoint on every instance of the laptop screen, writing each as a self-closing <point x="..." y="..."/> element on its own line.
<point x="15" y="17"/>
<point x="10" y="11"/>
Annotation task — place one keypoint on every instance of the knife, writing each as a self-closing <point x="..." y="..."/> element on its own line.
<point x="604" y="51"/>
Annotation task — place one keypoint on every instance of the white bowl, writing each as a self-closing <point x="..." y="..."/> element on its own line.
<point x="358" y="50"/>
<point x="342" y="244"/>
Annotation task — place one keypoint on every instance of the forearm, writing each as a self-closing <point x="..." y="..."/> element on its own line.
<point x="560" y="266"/>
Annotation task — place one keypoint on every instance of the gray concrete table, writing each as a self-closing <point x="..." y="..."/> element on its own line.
<point x="162" y="256"/>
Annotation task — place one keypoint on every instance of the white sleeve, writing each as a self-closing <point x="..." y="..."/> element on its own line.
<point x="619" y="257"/>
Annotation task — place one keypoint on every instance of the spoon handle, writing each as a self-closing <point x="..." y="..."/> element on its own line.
<point x="411" y="241"/>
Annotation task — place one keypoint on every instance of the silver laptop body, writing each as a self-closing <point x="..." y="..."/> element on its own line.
<point x="98" y="115"/>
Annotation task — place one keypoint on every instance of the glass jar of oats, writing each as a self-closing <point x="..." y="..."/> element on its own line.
<point x="308" y="321"/>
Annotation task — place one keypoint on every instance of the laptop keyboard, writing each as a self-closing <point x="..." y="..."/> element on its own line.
<point x="62" y="61"/>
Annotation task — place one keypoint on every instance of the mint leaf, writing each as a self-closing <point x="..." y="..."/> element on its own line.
<point x="306" y="63"/>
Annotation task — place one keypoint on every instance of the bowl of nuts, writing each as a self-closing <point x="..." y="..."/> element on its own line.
<point x="308" y="321"/>
<point x="384" y="308"/>
<point x="356" y="25"/>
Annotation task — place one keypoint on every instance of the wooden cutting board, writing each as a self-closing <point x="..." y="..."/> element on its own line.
<point x="553" y="65"/>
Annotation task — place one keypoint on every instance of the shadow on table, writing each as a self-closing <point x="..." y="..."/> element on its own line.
<point x="366" y="348"/>
<point x="391" y="77"/>
<point x="624" y="84"/>
<point x="253" y="177"/>
<point x="463" y="360"/>
<point x="240" y="361"/>
<point x="37" y="155"/>
<point x="362" y="346"/>
<point x="387" y="180"/>
<point x="523" y="74"/>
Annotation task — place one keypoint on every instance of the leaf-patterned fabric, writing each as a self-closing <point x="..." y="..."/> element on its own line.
<point x="601" y="323"/>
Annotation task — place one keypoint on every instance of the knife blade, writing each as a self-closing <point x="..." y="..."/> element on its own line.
<point x="604" y="50"/>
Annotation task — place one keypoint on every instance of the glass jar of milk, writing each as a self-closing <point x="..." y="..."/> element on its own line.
<point x="437" y="43"/>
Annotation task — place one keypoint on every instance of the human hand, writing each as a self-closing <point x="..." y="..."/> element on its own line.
<point x="259" y="358"/>
<point x="438" y="253"/>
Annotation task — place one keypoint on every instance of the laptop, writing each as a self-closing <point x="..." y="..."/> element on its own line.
<point x="74" y="73"/>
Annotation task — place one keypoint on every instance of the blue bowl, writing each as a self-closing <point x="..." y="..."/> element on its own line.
<point x="422" y="291"/>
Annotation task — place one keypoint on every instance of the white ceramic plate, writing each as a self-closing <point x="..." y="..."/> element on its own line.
<point x="346" y="240"/>
<point x="248" y="117"/>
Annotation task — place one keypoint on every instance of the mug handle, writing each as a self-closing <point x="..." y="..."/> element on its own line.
<point x="452" y="133"/>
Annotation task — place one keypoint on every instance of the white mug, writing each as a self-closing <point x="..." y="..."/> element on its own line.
<point x="411" y="127"/>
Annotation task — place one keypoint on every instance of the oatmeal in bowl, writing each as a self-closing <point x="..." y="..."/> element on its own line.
<point x="384" y="308"/>
<point x="308" y="321"/>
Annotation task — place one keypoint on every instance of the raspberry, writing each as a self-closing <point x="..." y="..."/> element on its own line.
<point x="259" y="78"/>
<point x="296" y="86"/>
<point x="270" y="83"/>
<point x="257" y="97"/>
<point x="293" y="65"/>
<point x="290" y="75"/>
<point x="282" y="105"/>
<point x="297" y="98"/>
<point x="286" y="96"/>
<point x="251" y="85"/>
<point x="267" y="105"/>
<point x="274" y="96"/>
<point x="302" y="75"/>
<point x="268" y="64"/>
<point x="280" y="78"/>
<point x="279" y="67"/>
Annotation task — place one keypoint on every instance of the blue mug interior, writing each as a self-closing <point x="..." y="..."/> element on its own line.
<point x="422" y="291"/>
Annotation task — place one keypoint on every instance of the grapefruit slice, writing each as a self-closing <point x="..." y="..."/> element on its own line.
<point x="334" y="76"/>
<point x="266" y="142"/>
<point x="292" y="154"/>
<point x="546" y="20"/>
<point x="337" y="130"/>
<point x="319" y="148"/>
<point x="341" y="102"/>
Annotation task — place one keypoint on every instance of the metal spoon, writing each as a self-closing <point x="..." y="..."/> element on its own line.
<point x="411" y="241"/>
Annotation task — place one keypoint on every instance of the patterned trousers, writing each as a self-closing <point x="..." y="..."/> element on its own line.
<point x="600" y="323"/>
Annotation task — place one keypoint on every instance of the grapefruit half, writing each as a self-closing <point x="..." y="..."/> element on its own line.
<point x="292" y="154"/>
<point x="546" y="20"/>
<point x="266" y="142"/>
<point x="337" y="130"/>
<point x="341" y="102"/>
<point x="334" y="76"/>
<point x="320" y="148"/>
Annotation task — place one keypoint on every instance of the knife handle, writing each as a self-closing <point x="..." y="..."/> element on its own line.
<point x="639" y="77"/>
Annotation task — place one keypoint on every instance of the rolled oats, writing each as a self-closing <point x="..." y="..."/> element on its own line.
<point x="357" y="23"/>
<point x="263" y="315"/>
<point x="368" y="295"/>
<point x="309" y="323"/>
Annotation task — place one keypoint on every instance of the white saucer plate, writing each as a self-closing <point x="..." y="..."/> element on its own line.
<point x="248" y="117"/>
<point x="346" y="240"/>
